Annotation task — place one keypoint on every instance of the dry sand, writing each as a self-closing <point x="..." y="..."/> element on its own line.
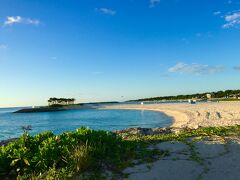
<point x="194" y="115"/>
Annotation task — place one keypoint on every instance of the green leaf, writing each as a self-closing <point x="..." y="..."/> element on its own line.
<point x="14" y="162"/>
<point x="26" y="162"/>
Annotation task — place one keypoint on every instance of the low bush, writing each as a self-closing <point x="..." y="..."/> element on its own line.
<point x="72" y="153"/>
<point x="86" y="152"/>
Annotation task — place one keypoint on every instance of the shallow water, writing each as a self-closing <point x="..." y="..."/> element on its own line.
<point x="58" y="122"/>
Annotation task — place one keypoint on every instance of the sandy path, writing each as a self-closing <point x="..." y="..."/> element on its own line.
<point x="194" y="115"/>
<point x="219" y="159"/>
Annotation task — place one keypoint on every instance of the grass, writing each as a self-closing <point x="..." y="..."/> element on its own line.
<point x="86" y="154"/>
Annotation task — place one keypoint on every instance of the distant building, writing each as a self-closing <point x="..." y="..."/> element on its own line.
<point x="209" y="96"/>
<point x="233" y="96"/>
<point x="60" y="101"/>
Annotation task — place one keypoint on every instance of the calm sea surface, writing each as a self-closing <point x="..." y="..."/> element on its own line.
<point x="58" y="122"/>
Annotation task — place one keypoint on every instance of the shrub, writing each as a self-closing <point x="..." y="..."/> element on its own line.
<point x="73" y="152"/>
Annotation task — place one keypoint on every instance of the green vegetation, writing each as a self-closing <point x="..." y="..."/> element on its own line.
<point x="71" y="154"/>
<point x="55" y="106"/>
<point x="106" y="102"/>
<point x="61" y="100"/>
<point x="85" y="153"/>
<point x="187" y="133"/>
<point x="218" y="95"/>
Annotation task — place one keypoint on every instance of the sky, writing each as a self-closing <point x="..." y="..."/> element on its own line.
<point x="116" y="50"/>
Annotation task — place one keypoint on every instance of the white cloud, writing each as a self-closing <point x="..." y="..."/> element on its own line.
<point x="3" y="46"/>
<point x="153" y="3"/>
<point x="106" y="11"/>
<point x="196" y="69"/>
<point x="10" y="20"/>
<point x="232" y="19"/>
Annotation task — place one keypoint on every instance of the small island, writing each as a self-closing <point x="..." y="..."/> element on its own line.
<point x="63" y="104"/>
<point x="54" y="104"/>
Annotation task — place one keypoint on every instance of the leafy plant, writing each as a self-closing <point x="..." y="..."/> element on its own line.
<point x="87" y="152"/>
<point x="75" y="152"/>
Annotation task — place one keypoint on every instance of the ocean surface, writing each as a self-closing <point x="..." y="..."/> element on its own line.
<point x="58" y="122"/>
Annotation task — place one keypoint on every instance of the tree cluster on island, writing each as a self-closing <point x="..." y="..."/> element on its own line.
<point x="60" y="101"/>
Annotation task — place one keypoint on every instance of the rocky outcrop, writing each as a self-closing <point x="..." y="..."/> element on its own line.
<point x="55" y="108"/>
<point x="6" y="142"/>
<point x="42" y="109"/>
<point x="148" y="131"/>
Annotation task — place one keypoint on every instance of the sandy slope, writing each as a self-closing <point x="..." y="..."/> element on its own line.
<point x="194" y="115"/>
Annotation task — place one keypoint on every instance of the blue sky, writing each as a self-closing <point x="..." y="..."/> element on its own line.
<point x="104" y="50"/>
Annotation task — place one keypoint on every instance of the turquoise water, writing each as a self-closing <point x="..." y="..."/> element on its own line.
<point x="58" y="122"/>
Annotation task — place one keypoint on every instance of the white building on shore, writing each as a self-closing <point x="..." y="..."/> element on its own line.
<point x="209" y="96"/>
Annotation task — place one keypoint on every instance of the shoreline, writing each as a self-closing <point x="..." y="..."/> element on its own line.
<point x="178" y="119"/>
<point x="188" y="116"/>
<point x="212" y="114"/>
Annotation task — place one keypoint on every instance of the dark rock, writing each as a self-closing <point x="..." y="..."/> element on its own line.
<point x="6" y="142"/>
<point x="36" y="110"/>
<point x="148" y="131"/>
<point x="162" y="130"/>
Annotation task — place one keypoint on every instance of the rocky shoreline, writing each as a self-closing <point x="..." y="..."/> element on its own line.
<point x="54" y="109"/>
<point x="151" y="131"/>
<point x="36" y="110"/>
<point x="6" y="142"/>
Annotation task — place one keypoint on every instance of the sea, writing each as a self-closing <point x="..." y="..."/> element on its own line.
<point x="62" y="121"/>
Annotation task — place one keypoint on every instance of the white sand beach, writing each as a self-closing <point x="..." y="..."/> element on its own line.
<point x="210" y="114"/>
